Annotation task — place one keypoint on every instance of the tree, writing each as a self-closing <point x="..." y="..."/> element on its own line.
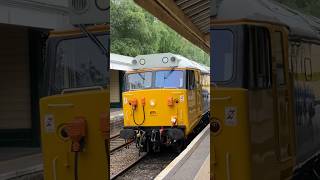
<point x="134" y="31"/>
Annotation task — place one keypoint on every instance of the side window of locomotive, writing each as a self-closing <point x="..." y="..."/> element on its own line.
<point x="278" y="55"/>
<point x="260" y="58"/>
<point x="191" y="80"/>
<point x="222" y="55"/>
<point x="84" y="68"/>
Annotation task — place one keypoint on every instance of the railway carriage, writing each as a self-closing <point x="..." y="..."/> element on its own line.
<point x="265" y="64"/>
<point x="164" y="100"/>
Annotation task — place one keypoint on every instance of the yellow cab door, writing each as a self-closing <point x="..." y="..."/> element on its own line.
<point x="199" y="95"/>
<point x="282" y="101"/>
<point x="75" y="108"/>
<point x="192" y="98"/>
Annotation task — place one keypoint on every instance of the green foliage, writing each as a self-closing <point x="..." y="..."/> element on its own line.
<point x="134" y="31"/>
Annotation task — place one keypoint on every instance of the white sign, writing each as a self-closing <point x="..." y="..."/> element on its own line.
<point x="181" y="98"/>
<point x="49" y="123"/>
<point x="230" y="114"/>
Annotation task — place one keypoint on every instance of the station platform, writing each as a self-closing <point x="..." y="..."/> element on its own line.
<point x="116" y="121"/>
<point x="21" y="167"/>
<point x="22" y="163"/>
<point x="193" y="162"/>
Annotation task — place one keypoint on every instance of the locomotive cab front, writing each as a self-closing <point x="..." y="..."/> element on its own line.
<point x="161" y="103"/>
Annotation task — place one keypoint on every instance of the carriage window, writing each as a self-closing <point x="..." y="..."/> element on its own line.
<point x="260" y="58"/>
<point x="79" y="63"/>
<point x="278" y="55"/>
<point x="222" y="55"/>
<point x="191" y="80"/>
<point x="140" y="80"/>
<point x="169" y="79"/>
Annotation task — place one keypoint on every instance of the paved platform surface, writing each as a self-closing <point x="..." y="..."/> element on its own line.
<point x="193" y="162"/>
<point x="190" y="169"/>
<point x="21" y="166"/>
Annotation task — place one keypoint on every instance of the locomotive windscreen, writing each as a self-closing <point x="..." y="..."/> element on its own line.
<point x="156" y="79"/>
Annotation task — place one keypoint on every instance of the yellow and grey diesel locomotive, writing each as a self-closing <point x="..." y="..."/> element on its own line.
<point x="265" y="62"/>
<point x="165" y="99"/>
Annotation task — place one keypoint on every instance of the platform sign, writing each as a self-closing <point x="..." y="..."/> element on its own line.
<point x="89" y="11"/>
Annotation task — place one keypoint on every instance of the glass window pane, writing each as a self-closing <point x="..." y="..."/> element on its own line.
<point x="139" y="80"/>
<point x="278" y="54"/>
<point x="222" y="55"/>
<point x="80" y="63"/>
<point x="169" y="79"/>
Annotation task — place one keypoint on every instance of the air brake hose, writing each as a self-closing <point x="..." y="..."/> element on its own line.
<point x="144" y="117"/>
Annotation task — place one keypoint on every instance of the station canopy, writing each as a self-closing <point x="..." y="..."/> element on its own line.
<point x="299" y="25"/>
<point x="189" y="18"/>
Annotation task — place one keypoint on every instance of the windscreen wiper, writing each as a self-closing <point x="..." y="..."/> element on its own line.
<point x="142" y="77"/>
<point x="171" y="71"/>
<point x="94" y="39"/>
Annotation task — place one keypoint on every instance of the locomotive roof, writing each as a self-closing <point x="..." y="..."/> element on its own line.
<point x="299" y="24"/>
<point x="165" y="60"/>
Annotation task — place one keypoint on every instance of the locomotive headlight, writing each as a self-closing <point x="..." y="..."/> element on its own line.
<point x="152" y="103"/>
<point x="165" y="60"/>
<point x="142" y="61"/>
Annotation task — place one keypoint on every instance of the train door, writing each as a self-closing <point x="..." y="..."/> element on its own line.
<point x="192" y="99"/>
<point x="75" y="111"/>
<point x="282" y="100"/>
<point x="198" y="94"/>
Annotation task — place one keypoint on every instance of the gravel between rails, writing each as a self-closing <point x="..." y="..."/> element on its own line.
<point x="150" y="166"/>
<point x="121" y="158"/>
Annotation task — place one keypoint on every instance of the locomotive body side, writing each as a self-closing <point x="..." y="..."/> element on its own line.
<point x="278" y="74"/>
<point x="305" y="70"/>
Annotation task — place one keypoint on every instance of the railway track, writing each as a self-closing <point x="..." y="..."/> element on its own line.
<point x="147" y="167"/>
<point x="117" y="143"/>
<point x="128" y="167"/>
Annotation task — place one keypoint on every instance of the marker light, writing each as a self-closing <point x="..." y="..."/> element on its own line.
<point x="102" y="4"/>
<point x="152" y="103"/>
<point x="134" y="62"/>
<point x="173" y="59"/>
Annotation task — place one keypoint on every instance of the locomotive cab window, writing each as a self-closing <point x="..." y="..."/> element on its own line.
<point x="169" y="79"/>
<point x="78" y="63"/>
<point x="278" y="55"/>
<point x="141" y="80"/>
<point x="260" y="58"/>
<point x="155" y="79"/>
<point x="223" y="61"/>
<point x="191" y="80"/>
